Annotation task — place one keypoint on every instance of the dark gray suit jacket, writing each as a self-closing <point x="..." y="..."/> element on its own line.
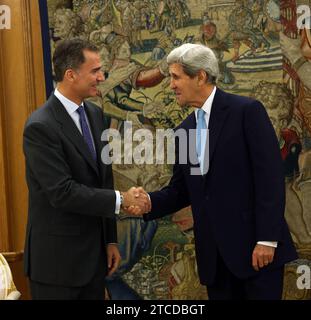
<point x="71" y="198"/>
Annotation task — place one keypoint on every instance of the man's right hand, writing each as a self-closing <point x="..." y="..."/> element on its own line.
<point x="136" y="201"/>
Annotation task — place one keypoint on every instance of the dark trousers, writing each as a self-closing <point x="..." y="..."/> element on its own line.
<point x="267" y="285"/>
<point x="95" y="290"/>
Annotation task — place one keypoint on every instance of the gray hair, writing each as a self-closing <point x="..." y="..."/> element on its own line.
<point x="195" y="57"/>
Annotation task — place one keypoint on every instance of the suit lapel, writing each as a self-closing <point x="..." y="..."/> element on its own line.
<point x="71" y="131"/>
<point x="219" y="113"/>
<point x="192" y="159"/>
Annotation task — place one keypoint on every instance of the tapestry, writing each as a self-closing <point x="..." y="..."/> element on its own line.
<point x="262" y="51"/>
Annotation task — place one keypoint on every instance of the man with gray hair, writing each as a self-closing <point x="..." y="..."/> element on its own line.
<point x="237" y="199"/>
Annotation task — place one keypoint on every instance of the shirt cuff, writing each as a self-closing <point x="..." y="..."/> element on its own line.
<point x="273" y="244"/>
<point x="118" y="202"/>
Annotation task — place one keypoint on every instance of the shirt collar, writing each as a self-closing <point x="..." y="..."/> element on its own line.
<point x="207" y="106"/>
<point x="69" y="105"/>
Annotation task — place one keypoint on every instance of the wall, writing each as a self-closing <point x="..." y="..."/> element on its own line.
<point x="22" y="89"/>
<point x="257" y="44"/>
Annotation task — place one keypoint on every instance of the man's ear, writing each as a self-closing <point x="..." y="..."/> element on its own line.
<point x="202" y="77"/>
<point x="70" y="75"/>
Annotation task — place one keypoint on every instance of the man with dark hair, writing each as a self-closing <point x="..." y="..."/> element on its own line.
<point x="71" y="231"/>
<point x="70" y="54"/>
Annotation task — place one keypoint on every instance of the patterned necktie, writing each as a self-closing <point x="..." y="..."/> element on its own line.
<point x="201" y="133"/>
<point x="86" y="132"/>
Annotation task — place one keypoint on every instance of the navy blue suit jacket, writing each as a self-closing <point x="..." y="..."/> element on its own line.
<point x="241" y="199"/>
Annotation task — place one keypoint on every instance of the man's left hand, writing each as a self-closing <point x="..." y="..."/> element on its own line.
<point x="113" y="257"/>
<point x="262" y="256"/>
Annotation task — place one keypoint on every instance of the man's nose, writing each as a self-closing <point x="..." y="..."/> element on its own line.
<point x="172" y="84"/>
<point x="101" y="76"/>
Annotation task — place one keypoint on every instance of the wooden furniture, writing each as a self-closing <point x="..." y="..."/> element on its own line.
<point x="22" y="90"/>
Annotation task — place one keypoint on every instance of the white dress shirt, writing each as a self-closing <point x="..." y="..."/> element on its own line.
<point x="207" y="107"/>
<point x="72" y="108"/>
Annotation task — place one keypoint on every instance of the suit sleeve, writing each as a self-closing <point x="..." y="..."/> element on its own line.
<point x="171" y="198"/>
<point x="109" y="224"/>
<point x="47" y="162"/>
<point x="268" y="177"/>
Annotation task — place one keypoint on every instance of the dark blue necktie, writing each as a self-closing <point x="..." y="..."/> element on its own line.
<point x="86" y="132"/>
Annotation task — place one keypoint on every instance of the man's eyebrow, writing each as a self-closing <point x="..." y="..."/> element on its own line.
<point x="96" y="69"/>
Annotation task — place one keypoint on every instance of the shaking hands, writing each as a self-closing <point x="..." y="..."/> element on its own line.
<point x="136" y="201"/>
